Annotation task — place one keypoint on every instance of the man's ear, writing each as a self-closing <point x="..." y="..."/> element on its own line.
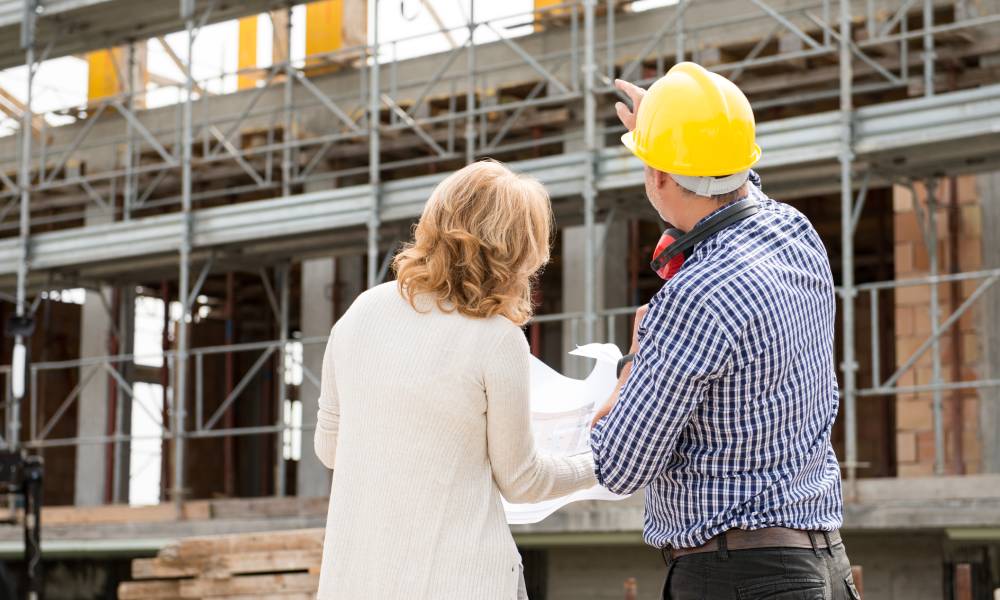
<point x="661" y="179"/>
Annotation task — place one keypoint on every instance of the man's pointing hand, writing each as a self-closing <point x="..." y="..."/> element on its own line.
<point x="635" y="94"/>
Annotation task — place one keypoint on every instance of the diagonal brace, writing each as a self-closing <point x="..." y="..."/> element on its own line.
<point x="955" y="316"/>
<point x="412" y="124"/>
<point x="654" y="41"/>
<point x="788" y="24"/>
<point x="530" y="60"/>
<point x="244" y="382"/>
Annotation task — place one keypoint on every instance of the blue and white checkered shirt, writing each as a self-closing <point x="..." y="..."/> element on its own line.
<point x="726" y="416"/>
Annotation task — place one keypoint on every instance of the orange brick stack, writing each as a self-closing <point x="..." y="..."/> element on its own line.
<point x="958" y="208"/>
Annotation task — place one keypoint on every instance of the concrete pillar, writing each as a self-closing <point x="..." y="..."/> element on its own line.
<point x="318" y="277"/>
<point x="988" y="191"/>
<point x="92" y="405"/>
<point x="612" y="288"/>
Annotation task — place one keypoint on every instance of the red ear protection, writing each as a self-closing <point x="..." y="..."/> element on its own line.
<point x="675" y="245"/>
<point x="672" y="266"/>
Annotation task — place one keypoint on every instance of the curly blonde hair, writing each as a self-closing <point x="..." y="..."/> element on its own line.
<point x="482" y="237"/>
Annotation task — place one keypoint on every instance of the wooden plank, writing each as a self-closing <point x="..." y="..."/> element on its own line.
<point x="261" y="562"/>
<point x="149" y="590"/>
<point x="195" y="548"/>
<point x="121" y="513"/>
<point x="261" y="586"/>
<point x="154" y="568"/>
<point x="71" y="515"/>
<point x="255" y="508"/>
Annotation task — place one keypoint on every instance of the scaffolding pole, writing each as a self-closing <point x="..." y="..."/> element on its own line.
<point x="24" y="182"/>
<point x="470" y="93"/>
<point x="374" y="170"/>
<point x="286" y="135"/>
<point x="847" y="292"/>
<point x="283" y="272"/>
<point x="589" y="181"/>
<point x="180" y="390"/>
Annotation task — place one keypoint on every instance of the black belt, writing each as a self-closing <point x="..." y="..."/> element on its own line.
<point x="769" y="537"/>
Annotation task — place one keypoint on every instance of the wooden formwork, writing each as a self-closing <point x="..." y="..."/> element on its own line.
<point x="250" y="566"/>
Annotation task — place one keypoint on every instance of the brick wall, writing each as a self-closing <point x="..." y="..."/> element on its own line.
<point x="958" y="213"/>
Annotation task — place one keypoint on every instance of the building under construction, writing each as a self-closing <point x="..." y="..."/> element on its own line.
<point x="183" y="260"/>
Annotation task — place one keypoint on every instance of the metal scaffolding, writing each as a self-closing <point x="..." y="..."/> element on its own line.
<point x="376" y="110"/>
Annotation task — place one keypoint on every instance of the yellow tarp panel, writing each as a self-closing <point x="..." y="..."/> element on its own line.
<point x="102" y="76"/>
<point x="247" y="53"/>
<point x="324" y="28"/>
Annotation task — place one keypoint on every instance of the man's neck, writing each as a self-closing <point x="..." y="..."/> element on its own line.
<point x="698" y="207"/>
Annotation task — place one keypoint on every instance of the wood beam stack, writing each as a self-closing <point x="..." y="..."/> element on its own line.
<point x="283" y="565"/>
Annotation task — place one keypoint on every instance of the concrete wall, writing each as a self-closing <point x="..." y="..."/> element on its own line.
<point x="598" y="573"/>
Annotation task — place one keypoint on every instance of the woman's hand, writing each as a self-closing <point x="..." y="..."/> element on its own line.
<point x="635" y="94"/>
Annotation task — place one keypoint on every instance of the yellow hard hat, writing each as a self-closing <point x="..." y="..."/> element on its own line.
<point x="694" y="122"/>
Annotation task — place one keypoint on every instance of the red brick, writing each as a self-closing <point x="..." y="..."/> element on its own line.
<point x="914" y="415"/>
<point x="904" y="321"/>
<point x="906" y="228"/>
<point x="913" y="294"/>
<point x="971" y="348"/>
<point x="967" y="190"/>
<point x="972" y="448"/>
<point x="921" y="259"/>
<point x="903" y="258"/>
<point x="906" y="446"/>
<point x="925" y="447"/>
<point x="971" y="220"/>
<point x="970" y="414"/>
<point x="922" y="320"/>
<point x="902" y="201"/>
<point x="970" y="254"/>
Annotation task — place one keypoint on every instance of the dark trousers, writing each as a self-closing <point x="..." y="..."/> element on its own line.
<point x="756" y="574"/>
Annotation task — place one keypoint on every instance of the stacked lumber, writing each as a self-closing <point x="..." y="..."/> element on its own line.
<point x="283" y="564"/>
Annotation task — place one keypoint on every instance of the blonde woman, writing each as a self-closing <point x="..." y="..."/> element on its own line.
<point x="424" y="404"/>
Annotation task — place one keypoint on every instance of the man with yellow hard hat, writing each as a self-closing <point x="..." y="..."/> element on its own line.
<point x="724" y="407"/>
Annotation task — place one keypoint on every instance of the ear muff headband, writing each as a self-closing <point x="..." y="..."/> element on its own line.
<point x="734" y="213"/>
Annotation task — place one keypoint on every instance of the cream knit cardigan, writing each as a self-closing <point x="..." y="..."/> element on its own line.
<point x="423" y="417"/>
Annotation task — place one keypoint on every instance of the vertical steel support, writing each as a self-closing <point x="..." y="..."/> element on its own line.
<point x="826" y="19"/>
<point x="24" y="181"/>
<point x="609" y="38"/>
<point x="283" y="272"/>
<point x="849" y="365"/>
<point x="180" y="391"/>
<point x="589" y="183"/>
<point x="470" y="93"/>
<point x="129" y="187"/>
<point x="870" y="18"/>
<point x="935" y="317"/>
<point x="374" y="171"/>
<point x="679" y="33"/>
<point x="286" y="151"/>
<point x="928" y="47"/>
